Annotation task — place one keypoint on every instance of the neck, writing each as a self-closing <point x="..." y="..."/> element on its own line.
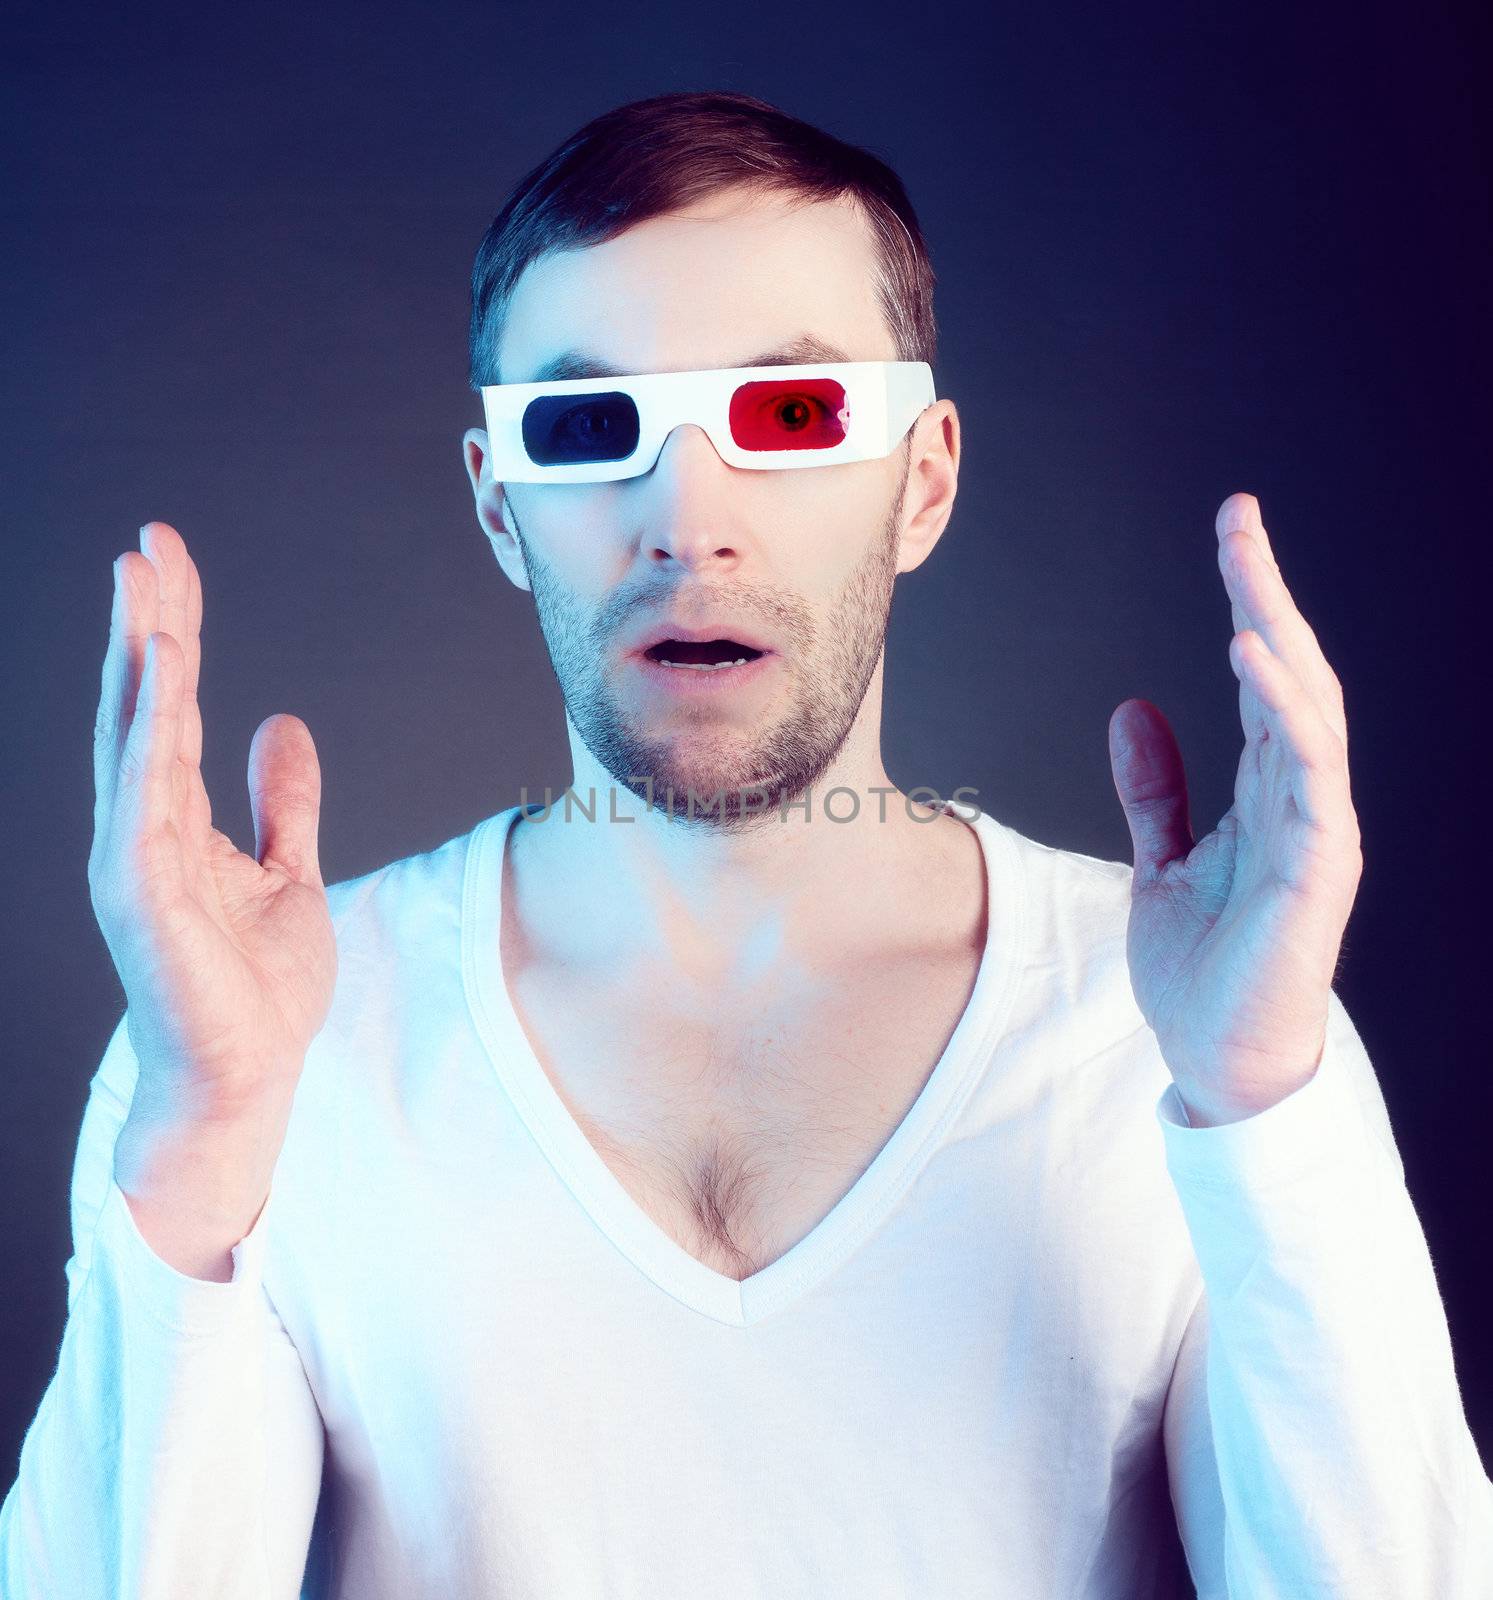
<point x="723" y="909"/>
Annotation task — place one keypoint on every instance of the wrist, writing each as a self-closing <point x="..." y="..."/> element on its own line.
<point x="202" y="1180"/>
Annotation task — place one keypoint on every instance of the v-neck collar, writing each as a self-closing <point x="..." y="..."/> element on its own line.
<point x="867" y="1201"/>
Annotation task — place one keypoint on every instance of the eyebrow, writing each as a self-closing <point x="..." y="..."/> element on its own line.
<point x="805" y="350"/>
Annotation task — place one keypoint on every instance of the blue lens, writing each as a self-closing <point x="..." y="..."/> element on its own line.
<point x="573" y="429"/>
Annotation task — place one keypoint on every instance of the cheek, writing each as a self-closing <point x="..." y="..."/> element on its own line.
<point x="833" y="531"/>
<point x="579" y="540"/>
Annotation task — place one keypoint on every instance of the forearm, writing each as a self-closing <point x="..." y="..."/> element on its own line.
<point x="1343" y="1452"/>
<point x="145" y="1474"/>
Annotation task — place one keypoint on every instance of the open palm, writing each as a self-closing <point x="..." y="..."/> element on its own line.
<point x="1233" y="939"/>
<point x="228" y="962"/>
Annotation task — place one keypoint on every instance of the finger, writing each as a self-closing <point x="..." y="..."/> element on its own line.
<point x="1317" y="762"/>
<point x="1240" y="511"/>
<point x="1251" y="711"/>
<point x="180" y="616"/>
<point x="108" y="721"/>
<point x="131" y="619"/>
<point x="285" y="796"/>
<point x="162" y="546"/>
<point x="1231" y="515"/>
<point x="1261" y="600"/>
<point x="147" y="766"/>
<point x="1151" y="782"/>
<point x="1239" y="563"/>
<point x="191" y="728"/>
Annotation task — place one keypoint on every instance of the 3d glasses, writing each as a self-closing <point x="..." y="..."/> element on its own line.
<point x="595" y="430"/>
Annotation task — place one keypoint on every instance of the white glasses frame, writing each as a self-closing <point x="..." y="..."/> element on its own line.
<point x="882" y="401"/>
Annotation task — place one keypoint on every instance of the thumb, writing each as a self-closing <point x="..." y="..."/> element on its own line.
<point x="1149" y="779"/>
<point x="285" y="796"/>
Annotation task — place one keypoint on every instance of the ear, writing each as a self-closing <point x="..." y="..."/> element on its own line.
<point x="932" y="482"/>
<point x="493" y="510"/>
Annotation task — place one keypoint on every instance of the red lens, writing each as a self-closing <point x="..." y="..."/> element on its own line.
<point x="789" y="414"/>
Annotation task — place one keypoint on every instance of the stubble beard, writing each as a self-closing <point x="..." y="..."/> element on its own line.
<point x="733" y="781"/>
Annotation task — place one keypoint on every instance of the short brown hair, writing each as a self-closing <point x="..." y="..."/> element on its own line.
<point x="655" y="156"/>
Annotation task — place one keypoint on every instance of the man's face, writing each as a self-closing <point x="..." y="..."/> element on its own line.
<point x="803" y="561"/>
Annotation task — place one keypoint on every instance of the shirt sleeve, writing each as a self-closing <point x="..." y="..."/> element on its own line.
<point x="1315" y="1434"/>
<point x="178" y="1448"/>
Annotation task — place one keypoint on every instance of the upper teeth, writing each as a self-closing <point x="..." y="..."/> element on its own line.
<point x="703" y="666"/>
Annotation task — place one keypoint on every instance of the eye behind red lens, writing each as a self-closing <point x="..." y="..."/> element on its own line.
<point x="789" y="414"/>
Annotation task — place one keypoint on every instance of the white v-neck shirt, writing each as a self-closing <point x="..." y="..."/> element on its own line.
<point x="1049" y="1329"/>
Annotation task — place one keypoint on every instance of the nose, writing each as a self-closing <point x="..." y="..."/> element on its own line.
<point x="690" y="516"/>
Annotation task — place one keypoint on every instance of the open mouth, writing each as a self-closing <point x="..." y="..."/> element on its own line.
<point x="701" y="655"/>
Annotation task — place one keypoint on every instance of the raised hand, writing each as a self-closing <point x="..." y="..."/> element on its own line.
<point x="228" y="961"/>
<point x="1233" y="940"/>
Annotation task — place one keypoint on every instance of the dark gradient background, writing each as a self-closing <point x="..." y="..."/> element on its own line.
<point x="1181" y="251"/>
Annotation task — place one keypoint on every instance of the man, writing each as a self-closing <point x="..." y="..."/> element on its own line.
<point x="763" y="1197"/>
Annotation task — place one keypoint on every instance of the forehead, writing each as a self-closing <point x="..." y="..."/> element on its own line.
<point x="716" y="284"/>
